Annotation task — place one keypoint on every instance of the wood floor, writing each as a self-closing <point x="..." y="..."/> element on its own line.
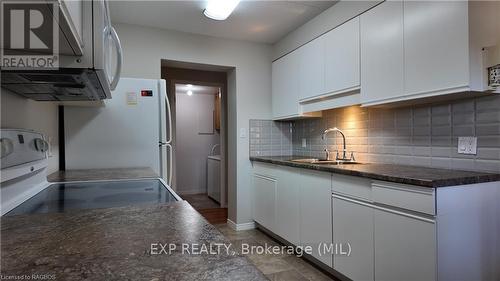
<point x="207" y="207"/>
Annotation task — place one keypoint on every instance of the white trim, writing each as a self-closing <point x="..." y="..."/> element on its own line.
<point x="346" y="91"/>
<point x="241" y="226"/>
<point x="418" y="95"/>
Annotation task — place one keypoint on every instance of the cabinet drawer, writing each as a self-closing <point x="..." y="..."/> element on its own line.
<point x="352" y="186"/>
<point x="265" y="169"/>
<point x="414" y="198"/>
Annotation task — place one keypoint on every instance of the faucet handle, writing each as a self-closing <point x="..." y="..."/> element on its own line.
<point x="352" y="157"/>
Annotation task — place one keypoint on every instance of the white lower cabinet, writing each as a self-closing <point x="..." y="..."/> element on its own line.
<point x="287" y="202"/>
<point x="405" y="247"/>
<point x="396" y="232"/>
<point x="264" y="200"/>
<point x="316" y="213"/>
<point x="296" y="205"/>
<point x="353" y="224"/>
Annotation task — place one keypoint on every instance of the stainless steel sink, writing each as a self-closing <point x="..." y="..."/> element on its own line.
<point x="320" y="161"/>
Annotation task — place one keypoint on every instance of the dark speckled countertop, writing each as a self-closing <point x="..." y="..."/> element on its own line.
<point x="421" y="176"/>
<point x="102" y="174"/>
<point x="115" y="243"/>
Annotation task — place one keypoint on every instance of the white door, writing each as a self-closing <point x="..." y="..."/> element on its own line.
<point x="285" y="86"/>
<point x="122" y="133"/>
<point x="353" y="224"/>
<point x="316" y="212"/>
<point x="264" y="201"/>
<point x="287" y="204"/>
<point x="405" y="247"/>
<point x="312" y="68"/>
<point x="436" y="45"/>
<point x="382" y="71"/>
<point x="342" y="57"/>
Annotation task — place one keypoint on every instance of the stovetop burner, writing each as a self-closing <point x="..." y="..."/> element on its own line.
<point x="62" y="197"/>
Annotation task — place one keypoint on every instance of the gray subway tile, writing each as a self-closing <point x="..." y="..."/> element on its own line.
<point x="488" y="130"/>
<point x="488" y="103"/>
<point x="487" y="165"/>
<point x="463" y="164"/>
<point x="438" y="162"/>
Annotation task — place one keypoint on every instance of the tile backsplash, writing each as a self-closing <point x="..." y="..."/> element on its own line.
<point x="270" y="138"/>
<point x="415" y="135"/>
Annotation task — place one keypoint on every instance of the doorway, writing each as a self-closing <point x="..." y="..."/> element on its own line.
<point x="199" y="109"/>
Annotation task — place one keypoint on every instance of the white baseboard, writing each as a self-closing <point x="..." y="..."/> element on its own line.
<point x="241" y="226"/>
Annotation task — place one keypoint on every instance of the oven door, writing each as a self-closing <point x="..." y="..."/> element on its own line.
<point x="108" y="55"/>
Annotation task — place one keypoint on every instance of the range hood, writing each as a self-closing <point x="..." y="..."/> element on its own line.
<point x="88" y="46"/>
<point x="69" y="84"/>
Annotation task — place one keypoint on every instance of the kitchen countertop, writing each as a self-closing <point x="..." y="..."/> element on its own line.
<point x="115" y="244"/>
<point x="414" y="175"/>
<point x="102" y="174"/>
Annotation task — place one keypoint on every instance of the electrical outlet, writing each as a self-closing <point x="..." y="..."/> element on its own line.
<point x="467" y="145"/>
<point x="304" y="143"/>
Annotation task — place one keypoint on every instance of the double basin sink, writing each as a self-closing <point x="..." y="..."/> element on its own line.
<point x="328" y="162"/>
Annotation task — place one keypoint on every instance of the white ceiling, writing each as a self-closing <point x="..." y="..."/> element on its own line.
<point x="256" y="21"/>
<point x="197" y="89"/>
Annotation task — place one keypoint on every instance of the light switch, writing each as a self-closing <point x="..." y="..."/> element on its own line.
<point x="467" y="145"/>
<point x="304" y="143"/>
<point x="243" y="133"/>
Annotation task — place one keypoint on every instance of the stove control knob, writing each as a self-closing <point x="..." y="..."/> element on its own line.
<point x="41" y="145"/>
<point x="7" y="147"/>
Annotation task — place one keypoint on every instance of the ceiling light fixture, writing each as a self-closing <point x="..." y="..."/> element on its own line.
<point x="220" y="9"/>
<point x="189" y="93"/>
<point x="189" y="85"/>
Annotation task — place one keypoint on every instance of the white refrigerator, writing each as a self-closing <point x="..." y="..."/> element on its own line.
<point x="132" y="129"/>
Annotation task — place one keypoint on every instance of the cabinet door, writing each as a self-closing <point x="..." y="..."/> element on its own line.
<point x="342" y="57"/>
<point x="316" y="212"/>
<point x="353" y="224"/>
<point x="285" y="86"/>
<point x="382" y="52"/>
<point x="405" y="247"/>
<point x="264" y="200"/>
<point x="436" y="45"/>
<point x="312" y="68"/>
<point x="287" y="205"/>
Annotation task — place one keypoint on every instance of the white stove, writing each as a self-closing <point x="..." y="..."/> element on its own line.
<point x="25" y="190"/>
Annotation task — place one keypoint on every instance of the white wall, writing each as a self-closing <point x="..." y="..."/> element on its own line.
<point x="22" y="113"/>
<point x="322" y="23"/>
<point x="249" y="89"/>
<point x="193" y="147"/>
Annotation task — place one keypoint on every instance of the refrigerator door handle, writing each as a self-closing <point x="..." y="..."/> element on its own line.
<point x="169" y="164"/>
<point x="169" y="118"/>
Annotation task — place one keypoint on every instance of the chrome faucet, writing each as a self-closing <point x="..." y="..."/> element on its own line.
<point x="213" y="148"/>
<point x="344" y="151"/>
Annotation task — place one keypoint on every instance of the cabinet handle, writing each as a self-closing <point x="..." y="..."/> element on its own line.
<point x="383" y="209"/>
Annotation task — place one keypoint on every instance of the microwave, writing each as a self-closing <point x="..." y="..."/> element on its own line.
<point x="90" y="57"/>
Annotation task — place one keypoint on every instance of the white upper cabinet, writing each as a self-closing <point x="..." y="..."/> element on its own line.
<point x="436" y="46"/>
<point x="311" y="78"/>
<point x="342" y="67"/>
<point x="285" y="86"/>
<point x="382" y="52"/>
<point x="312" y="68"/>
<point x="420" y="49"/>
